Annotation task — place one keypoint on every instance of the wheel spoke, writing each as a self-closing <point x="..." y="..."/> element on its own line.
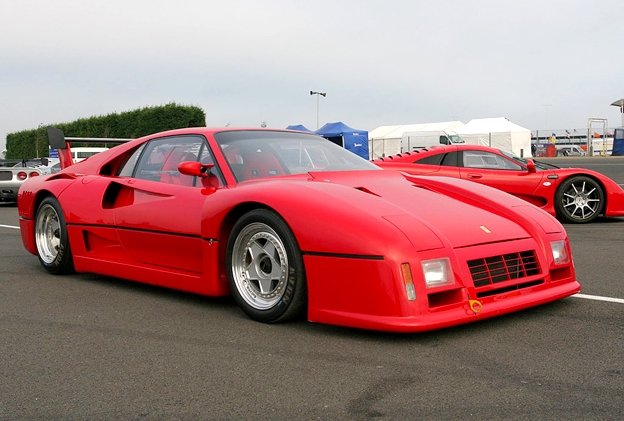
<point x="263" y="259"/>
<point x="265" y="285"/>
<point x="575" y="189"/>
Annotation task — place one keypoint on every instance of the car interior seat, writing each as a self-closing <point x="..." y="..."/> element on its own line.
<point x="261" y="165"/>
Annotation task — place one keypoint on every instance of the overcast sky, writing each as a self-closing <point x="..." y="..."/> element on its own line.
<point x="545" y="65"/>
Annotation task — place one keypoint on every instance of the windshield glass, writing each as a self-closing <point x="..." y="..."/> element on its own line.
<point x="456" y="139"/>
<point x="259" y="154"/>
<point x="523" y="161"/>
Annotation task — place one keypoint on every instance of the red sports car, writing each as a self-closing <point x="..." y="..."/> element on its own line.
<point x="571" y="194"/>
<point x="291" y="224"/>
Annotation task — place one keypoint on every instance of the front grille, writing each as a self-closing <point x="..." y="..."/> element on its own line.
<point x="496" y="269"/>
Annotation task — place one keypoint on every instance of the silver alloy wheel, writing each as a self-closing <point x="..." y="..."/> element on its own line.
<point x="259" y="266"/>
<point x="48" y="233"/>
<point x="582" y="200"/>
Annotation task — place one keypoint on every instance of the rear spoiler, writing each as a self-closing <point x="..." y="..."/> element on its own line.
<point x="58" y="141"/>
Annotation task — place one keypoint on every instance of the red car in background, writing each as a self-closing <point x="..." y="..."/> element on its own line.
<point x="575" y="195"/>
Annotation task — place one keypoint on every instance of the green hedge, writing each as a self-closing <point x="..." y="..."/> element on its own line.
<point x="131" y="124"/>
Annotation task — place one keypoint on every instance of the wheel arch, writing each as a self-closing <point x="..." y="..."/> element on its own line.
<point x="40" y="197"/>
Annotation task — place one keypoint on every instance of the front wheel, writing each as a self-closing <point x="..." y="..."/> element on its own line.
<point x="51" y="238"/>
<point x="579" y="200"/>
<point x="265" y="268"/>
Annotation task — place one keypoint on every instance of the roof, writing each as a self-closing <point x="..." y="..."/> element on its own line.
<point x="490" y="125"/>
<point x="337" y="129"/>
<point x="396" y="132"/>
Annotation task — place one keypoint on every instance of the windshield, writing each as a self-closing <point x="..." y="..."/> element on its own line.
<point x="263" y="153"/>
<point x="523" y="161"/>
<point x="456" y="139"/>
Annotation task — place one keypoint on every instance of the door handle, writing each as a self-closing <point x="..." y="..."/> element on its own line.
<point x="472" y="176"/>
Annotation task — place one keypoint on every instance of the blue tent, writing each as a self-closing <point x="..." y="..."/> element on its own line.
<point x="351" y="139"/>
<point x="299" y="127"/>
<point x="618" y="142"/>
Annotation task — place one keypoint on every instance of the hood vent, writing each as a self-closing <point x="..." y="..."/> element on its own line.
<point x="365" y="190"/>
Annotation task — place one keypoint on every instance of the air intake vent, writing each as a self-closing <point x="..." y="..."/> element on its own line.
<point x="496" y="269"/>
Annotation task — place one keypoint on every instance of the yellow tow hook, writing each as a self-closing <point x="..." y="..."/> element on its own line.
<point x="475" y="306"/>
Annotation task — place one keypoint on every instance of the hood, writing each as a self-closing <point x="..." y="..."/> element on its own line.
<point x="411" y="202"/>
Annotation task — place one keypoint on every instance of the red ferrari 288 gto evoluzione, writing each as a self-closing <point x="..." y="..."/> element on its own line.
<point x="292" y="226"/>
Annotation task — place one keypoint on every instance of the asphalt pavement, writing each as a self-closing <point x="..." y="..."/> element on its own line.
<point x="87" y="347"/>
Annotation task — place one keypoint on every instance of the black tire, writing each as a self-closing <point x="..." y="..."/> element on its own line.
<point x="265" y="268"/>
<point x="579" y="200"/>
<point x="51" y="238"/>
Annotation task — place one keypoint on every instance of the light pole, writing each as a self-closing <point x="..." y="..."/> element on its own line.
<point x="318" y="94"/>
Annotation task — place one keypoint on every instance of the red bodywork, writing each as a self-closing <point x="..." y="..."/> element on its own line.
<point x="538" y="187"/>
<point x="356" y="230"/>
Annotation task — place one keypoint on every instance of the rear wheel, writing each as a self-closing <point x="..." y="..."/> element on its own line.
<point x="51" y="238"/>
<point x="579" y="200"/>
<point x="265" y="268"/>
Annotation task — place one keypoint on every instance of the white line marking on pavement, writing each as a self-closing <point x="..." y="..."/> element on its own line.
<point x="598" y="298"/>
<point x="8" y="226"/>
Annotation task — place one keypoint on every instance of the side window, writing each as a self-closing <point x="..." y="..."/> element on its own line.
<point x="127" y="168"/>
<point x="487" y="160"/>
<point x="430" y="160"/>
<point x="158" y="160"/>
<point x="451" y="159"/>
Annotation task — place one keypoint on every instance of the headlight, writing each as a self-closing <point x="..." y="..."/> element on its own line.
<point x="437" y="272"/>
<point x="560" y="252"/>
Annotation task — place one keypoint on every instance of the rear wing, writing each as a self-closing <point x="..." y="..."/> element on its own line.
<point x="58" y="141"/>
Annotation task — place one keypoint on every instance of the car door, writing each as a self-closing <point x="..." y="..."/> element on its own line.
<point x="159" y="211"/>
<point x="498" y="171"/>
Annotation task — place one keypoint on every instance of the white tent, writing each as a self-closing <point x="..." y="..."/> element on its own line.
<point x="497" y="133"/>
<point x="386" y="140"/>
<point x="377" y="145"/>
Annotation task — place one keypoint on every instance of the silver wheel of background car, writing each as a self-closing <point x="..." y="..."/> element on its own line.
<point x="265" y="268"/>
<point x="51" y="238"/>
<point x="579" y="199"/>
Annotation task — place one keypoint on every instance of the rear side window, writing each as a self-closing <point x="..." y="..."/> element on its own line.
<point x="451" y="159"/>
<point x="430" y="160"/>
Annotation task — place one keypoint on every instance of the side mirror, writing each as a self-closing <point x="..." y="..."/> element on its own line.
<point x="531" y="166"/>
<point x="195" y="169"/>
